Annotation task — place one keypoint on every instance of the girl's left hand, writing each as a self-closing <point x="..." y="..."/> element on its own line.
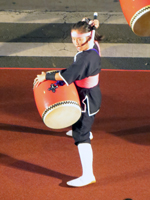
<point x="94" y="22"/>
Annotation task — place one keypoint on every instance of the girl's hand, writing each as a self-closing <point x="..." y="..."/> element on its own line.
<point x="40" y="78"/>
<point x="94" y="22"/>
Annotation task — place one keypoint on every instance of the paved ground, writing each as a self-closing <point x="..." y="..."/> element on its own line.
<point x="62" y="5"/>
<point x="38" y="39"/>
<point x="39" y="22"/>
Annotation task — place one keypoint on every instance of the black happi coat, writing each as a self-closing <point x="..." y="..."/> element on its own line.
<point x="86" y="63"/>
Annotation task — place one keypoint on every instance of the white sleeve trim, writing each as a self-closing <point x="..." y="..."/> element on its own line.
<point x="63" y="79"/>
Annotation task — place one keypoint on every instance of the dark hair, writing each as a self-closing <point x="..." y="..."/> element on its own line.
<point x="84" y="27"/>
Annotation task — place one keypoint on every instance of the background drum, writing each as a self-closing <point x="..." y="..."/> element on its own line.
<point x="57" y="103"/>
<point x="137" y="14"/>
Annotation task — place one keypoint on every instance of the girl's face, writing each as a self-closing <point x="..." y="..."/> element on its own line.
<point x="81" y="43"/>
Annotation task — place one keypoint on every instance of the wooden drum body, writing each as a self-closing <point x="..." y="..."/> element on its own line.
<point x="57" y="103"/>
<point x="137" y="14"/>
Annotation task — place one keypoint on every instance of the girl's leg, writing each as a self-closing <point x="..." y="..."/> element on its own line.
<point x="81" y="132"/>
<point x="69" y="133"/>
<point x="86" y="157"/>
<point x="82" y="128"/>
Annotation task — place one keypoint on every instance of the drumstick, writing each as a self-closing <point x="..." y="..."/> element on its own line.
<point x="93" y="31"/>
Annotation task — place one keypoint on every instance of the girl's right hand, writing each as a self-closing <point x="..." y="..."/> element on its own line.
<point x="40" y="77"/>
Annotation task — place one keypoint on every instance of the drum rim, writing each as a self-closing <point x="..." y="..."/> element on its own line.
<point x="138" y="14"/>
<point x="53" y="106"/>
<point x="57" y="105"/>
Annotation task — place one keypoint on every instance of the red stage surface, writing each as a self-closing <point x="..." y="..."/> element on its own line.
<point x="36" y="162"/>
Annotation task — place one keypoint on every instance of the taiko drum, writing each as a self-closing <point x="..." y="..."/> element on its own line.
<point x="57" y="103"/>
<point x="137" y="14"/>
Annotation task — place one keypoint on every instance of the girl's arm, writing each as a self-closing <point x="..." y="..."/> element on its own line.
<point x="42" y="77"/>
<point x="94" y="22"/>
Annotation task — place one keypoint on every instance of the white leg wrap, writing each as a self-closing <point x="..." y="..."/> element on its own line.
<point x="86" y="157"/>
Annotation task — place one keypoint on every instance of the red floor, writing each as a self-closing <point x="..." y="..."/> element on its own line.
<point x="36" y="162"/>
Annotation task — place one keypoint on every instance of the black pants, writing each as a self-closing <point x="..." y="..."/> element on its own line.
<point x="81" y="129"/>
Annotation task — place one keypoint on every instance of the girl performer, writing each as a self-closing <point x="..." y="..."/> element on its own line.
<point x="84" y="72"/>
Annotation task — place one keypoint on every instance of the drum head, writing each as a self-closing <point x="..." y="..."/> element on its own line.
<point x="141" y="25"/>
<point x="62" y="116"/>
